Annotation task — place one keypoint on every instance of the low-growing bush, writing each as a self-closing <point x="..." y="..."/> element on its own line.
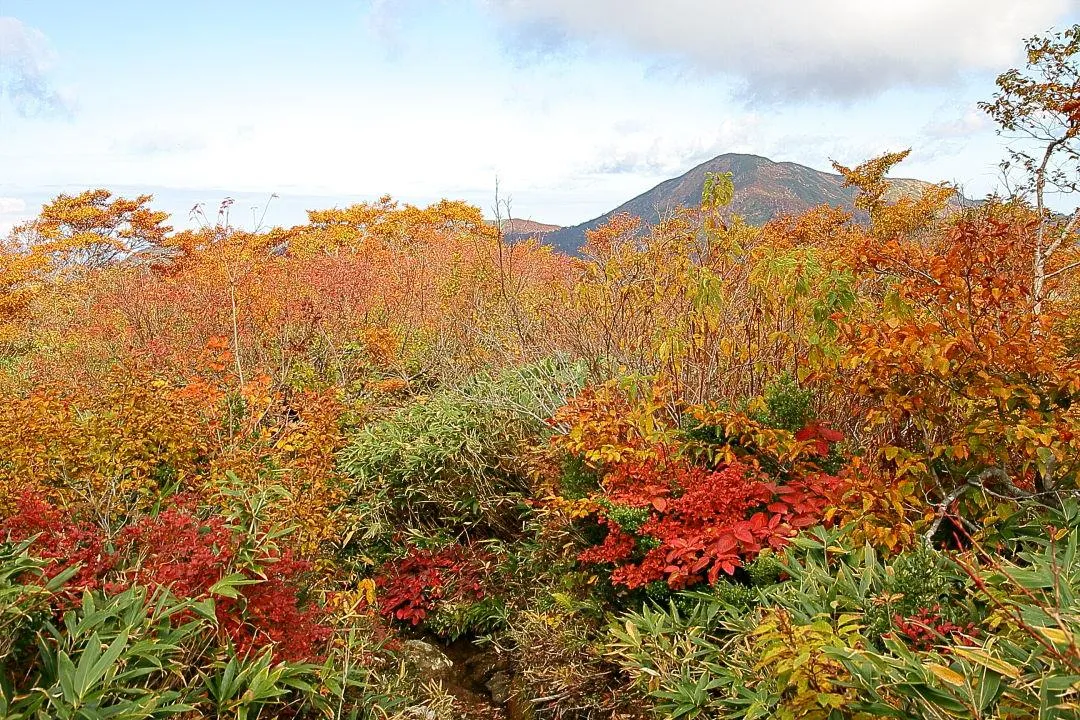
<point x="453" y="460"/>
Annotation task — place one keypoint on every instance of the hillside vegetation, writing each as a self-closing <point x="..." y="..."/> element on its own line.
<point x="388" y="465"/>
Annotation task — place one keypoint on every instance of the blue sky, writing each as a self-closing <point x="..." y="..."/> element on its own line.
<point x="575" y="106"/>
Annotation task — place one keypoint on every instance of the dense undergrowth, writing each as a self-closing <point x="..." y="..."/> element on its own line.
<point x="825" y="468"/>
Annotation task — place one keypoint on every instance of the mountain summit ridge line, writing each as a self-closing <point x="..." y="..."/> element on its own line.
<point x="764" y="189"/>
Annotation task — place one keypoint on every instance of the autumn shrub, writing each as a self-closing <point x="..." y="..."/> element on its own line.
<point x="880" y="508"/>
<point x="113" y="453"/>
<point x="969" y="386"/>
<point x="710" y="305"/>
<point x="415" y="585"/>
<point x="191" y="558"/>
<point x="452" y="460"/>
<point x="120" y="452"/>
<point x="628" y="419"/>
<point x="686" y="502"/>
<point x="807" y="682"/>
<point x="353" y="297"/>
<point x="287" y="441"/>
<point x="698" y="524"/>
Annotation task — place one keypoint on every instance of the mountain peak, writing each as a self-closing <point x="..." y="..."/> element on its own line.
<point x="764" y="189"/>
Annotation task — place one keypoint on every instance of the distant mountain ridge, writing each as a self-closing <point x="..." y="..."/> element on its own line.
<point x="515" y="229"/>
<point x="764" y="189"/>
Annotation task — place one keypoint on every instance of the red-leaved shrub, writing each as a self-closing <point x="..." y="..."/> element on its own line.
<point x="928" y="629"/>
<point x="62" y="543"/>
<point x="413" y="586"/>
<point x="700" y="522"/>
<point x="187" y="555"/>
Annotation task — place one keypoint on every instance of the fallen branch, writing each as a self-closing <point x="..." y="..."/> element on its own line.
<point x="976" y="483"/>
<point x="943" y="508"/>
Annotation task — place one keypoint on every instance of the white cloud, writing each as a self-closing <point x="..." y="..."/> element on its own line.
<point x="387" y="21"/>
<point x="649" y="152"/>
<point x="11" y="205"/>
<point x="962" y="123"/>
<point x="146" y="143"/>
<point x="833" y="49"/>
<point x="12" y="213"/>
<point x="26" y="64"/>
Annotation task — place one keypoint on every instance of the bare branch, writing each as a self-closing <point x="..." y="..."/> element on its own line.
<point x="1059" y="271"/>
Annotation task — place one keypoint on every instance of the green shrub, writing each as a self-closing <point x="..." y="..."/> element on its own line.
<point x="687" y="656"/>
<point x="788" y="406"/>
<point x="25" y="594"/>
<point x="735" y="594"/>
<point x="917" y="579"/>
<point x="453" y="621"/>
<point x="452" y="460"/>
<point x="630" y="519"/>
<point x="765" y="569"/>
<point x="122" y="656"/>
<point x="577" y="480"/>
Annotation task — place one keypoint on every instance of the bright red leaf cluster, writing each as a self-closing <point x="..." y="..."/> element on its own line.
<point x="820" y="435"/>
<point x="701" y="522"/>
<point x="188" y="555"/>
<point x="62" y="543"/>
<point x="413" y="586"/>
<point x="928" y="629"/>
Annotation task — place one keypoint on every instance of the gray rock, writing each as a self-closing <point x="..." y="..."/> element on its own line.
<point x="418" y="712"/>
<point x="427" y="660"/>
<point x="499" y="687"/>
<point x="480" y="667"/>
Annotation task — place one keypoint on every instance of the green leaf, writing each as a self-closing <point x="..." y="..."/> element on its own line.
<point x="989" y="687"/>
<point x="65" y="675"/>
<point x="107" y="659"/>
<point x="226" y="586"/>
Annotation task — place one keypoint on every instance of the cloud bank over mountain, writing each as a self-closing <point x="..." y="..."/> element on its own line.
<point x="812" y="49"/>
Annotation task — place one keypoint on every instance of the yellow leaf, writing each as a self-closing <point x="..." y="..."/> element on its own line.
<point x="985" y="659"/>
<point x="1057" y="636"/>
<point x="367" y="589"/>
<point x="947" y="674"/>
